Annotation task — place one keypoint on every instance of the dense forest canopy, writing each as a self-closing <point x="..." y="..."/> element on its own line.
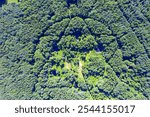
<point x="75" y="49"/>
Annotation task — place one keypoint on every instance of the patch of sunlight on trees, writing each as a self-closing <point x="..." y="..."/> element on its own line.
<point x="12" y="1"/>
<point x="67" y="65"/>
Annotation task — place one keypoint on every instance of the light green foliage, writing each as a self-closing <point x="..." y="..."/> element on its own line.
<point x="95" y="64"/>
<point x="12" y="1"/>
<point x="38" y="55"/>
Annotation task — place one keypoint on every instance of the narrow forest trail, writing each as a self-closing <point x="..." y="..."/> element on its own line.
<point x="81" y="77"/>
<point x="67" y="65"/>
<point x="80" y="70"/>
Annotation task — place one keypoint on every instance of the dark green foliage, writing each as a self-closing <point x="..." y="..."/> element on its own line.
<point x="75" y="49"/>
<point x="2" y="2"/>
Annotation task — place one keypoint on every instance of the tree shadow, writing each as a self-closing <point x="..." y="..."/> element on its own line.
<point x="2" y="2"/>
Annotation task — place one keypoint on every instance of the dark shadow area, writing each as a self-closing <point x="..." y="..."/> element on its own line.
<point x="69" y="2"/>
<point x="100" y="47"/>
<point x="77" y="34"/>
<point x="53" y="72"/>
<point x="31" y="62"/>
<point x="2" y="2"/>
